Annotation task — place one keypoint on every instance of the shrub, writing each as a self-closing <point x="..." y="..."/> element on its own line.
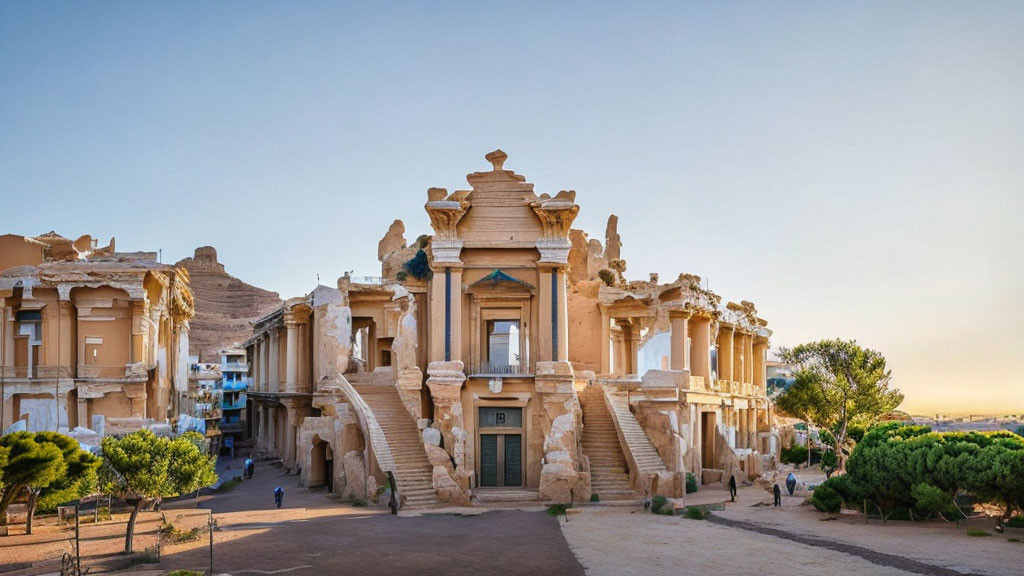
<point x="661" y="505"/>
<point x="595" y="497"/>
<point x="977" y="533"/>
<point x="930" y="500"/>
<point x="607" y="276"/>
<point x="691" y="483"/>
<point x="796" y="455"/>
<point x="827" y="499"/>
<point x="557" y="509"/>
<point x="696" y="513"/>
<point x="1016" y="522"/>
<point x="358" y="502"/>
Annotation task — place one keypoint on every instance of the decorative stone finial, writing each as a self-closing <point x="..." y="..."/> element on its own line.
<point x="497" y="159"/>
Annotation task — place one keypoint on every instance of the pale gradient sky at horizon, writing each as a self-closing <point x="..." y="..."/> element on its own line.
<point x="856" y="170"/>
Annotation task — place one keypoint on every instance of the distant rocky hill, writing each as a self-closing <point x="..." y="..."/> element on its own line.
<point x="224" y="305"/>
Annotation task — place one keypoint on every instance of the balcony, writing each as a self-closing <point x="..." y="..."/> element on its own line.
<point x="99" y="371"/>
<point x="235" y="385"/>
<point x="234" y="367"/>
<point x="236" y="405"/>
<point x="494" y="369"/>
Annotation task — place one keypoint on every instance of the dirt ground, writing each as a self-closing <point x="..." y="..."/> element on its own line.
<point x="315" y="534"/>
<point x="751" y="537"/>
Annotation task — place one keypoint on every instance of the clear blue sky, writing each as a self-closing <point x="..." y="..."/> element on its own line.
<point x="856" y="169"/>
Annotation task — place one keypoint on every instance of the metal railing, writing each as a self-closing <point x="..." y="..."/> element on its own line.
<point x="500" y="369"/>
<point x="234" y="366"/>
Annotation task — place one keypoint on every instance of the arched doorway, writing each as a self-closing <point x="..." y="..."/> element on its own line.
<point x="321" y="464"/>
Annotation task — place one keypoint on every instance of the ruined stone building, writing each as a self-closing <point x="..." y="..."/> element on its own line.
<point x="507" y="357"/>
<point x="89" y="336"/>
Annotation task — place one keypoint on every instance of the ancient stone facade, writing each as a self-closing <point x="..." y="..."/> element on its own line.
<point x="91" y="337"/>
<point x="466" y="370"/>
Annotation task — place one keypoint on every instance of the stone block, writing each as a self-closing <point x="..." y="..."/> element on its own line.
<point x="432" y="436"/>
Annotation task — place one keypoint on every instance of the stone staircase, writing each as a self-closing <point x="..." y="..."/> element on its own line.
<point x="609" y="472"/>
<point x="642" y="451"/>
<point x="413" y="472"/>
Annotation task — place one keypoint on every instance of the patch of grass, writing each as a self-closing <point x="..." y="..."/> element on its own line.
<point x="977" y="533"/>
<point x="229" y="485"/>
<point x="173" y="535"/>
<point x="696" y="513"/>
<point x="595" y="497"/>
<point x="1013" y="539"/>
<point x="557" y="509"/>
<point x="184" y="573"/>
<point x="358" y="502"/>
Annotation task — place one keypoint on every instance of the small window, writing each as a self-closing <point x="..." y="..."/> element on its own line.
<point x="503" y="342"/>
<point x="501" y="417"/>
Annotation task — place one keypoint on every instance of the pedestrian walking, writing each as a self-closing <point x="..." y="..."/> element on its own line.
<point x="732" y="488"/>
<point x="777" y="493"/>
<point x="249" y="468"/>
<point x="278" y="496"/>
<point x="791" y="483"/>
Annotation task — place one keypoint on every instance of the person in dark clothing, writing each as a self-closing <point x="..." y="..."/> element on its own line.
<point x="732" y="488"/>
<point x="249" y="467"/>
<point x="278" y="496"/>
<point x="777" y="492"/>
<point x="791" y="483"/>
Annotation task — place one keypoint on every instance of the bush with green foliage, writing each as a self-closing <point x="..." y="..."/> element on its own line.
<point x="607" y="276"/>
<point x="594" y="497"/>
<point x="827" y="499"/>
<point x="557" y="509"/>
<point x="696" y="513"/>
<point x="929" y="500"/>
<point x="893" y="460"/>
<point x="691" y="483"/>
<point x="796" y="455"/>
<point x="661" y="505"/>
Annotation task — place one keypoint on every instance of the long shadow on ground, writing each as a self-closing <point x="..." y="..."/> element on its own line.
<point x="502" y="542"/>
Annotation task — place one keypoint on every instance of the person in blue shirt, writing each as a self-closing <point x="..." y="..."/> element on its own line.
<point x="278" y="496"/>
<point x="791" y="483"/>
<point x="249" y="467"/>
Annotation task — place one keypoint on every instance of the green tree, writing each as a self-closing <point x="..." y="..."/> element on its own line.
<point x="77" y="480"/>
<point x="30" y="463"/>
<point x="838" y="385"/>
<point x="142" y="467"/>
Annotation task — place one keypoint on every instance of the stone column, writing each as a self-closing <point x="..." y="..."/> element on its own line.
<point x="561" y="480"/>
<point x="275" y="355"/>
<point x="752" y="425"/>
<point x="289" y="435"/>
<point x="700" y="348"/>
<point x="445" y="382"/>
<point x="680" y="336"/>
<point x="544" y="315"/>
<point x="83" y="413"/>
<point x="760" y="375"/>
<point x="725" y="353"/>
<point x="291" y="360"/>
<point x="619" y="348"/>
<point x="606" y="342"/>
<point x="272" y="447"/>
<point x="633" y="349"/>
<point x="264" y="351"/>
<point x="8" y="337"/>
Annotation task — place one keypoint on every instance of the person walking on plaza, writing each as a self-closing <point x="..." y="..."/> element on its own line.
<point x="278" y="496"/>
<point x="791" y="483"/>
<point x="777" y="493"/>
<point x="249" y="467"/>
<point x="732" y="488"/>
